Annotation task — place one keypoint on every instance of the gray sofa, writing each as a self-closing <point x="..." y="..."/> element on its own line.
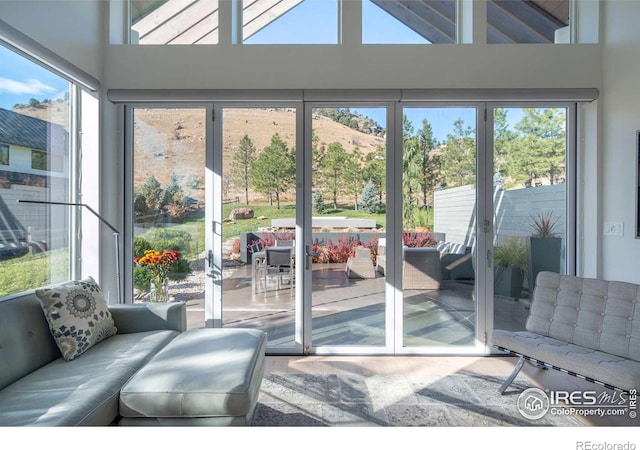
<point x="584" y="327"/>
<point x="40" y="388"/>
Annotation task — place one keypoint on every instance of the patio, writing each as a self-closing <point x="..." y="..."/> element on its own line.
<point x="350" y="312"/>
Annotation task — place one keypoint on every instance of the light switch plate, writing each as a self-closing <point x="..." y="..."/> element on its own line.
<point x="614" y="228"/>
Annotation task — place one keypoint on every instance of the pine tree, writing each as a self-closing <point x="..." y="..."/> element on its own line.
<point x="370" y="200"/>
<point x="318" y="201"/>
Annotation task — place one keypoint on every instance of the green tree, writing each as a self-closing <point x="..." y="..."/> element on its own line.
<point x="241" y="165"/>
<point x="370" y="201"/>
<point x="318" y="201"/>
<point x="334" y="166"/>
<point x="273" y="171"/>
<point x="539" y="151"/>
<point x="411" y="170"/>
<point x="429" y="177"/>
<point x="149" y="200"/>
<point x="504" y="143"/>
<point x="375" y="169"/>
<point x="353" y="180"/>
<point x="458" y="157"/>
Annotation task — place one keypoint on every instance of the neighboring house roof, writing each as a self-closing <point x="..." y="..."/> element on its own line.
<point x="26" y="131"/>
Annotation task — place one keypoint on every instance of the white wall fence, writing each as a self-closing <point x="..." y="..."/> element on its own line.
<point x="455" y="211"/>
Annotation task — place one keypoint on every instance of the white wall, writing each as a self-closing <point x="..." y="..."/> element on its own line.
<point x="72" y="29"/>
<point x="620" y="119"/>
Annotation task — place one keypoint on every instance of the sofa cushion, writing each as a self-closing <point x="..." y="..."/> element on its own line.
<point x="203" y="373"/>
<point x="77" y="314"/>
<point x="597" y="314"/>
<point x="84" y="391"/>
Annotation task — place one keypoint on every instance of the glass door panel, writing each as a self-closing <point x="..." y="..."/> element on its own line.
<point x="169" y="204"/>
<point x="438" y="227"/>
<point x="348" y="182"/>
<point x="259" y="227"/>
<point x="530" y="205"/>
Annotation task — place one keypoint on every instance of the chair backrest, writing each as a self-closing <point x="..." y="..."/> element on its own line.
<point x="278" y="257"/>
<point x="256" y="246"/>
<point x="593" y="313"/>
<point x="363" y="252"/>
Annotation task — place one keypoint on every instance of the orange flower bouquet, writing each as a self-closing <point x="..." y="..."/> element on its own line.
<point x="159" y="263"/>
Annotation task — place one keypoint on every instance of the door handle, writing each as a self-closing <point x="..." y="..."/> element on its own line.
<point x="309" y="257"/>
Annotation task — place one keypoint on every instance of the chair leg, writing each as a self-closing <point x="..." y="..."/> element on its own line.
<point x="513" y="375"/>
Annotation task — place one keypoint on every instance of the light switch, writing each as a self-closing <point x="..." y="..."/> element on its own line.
<point x="614" y="228"/>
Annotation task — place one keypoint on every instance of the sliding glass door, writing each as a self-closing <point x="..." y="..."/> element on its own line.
<point x="531" y="204"/>
<point x="354" y="227"/>
<point x="258" y="205"/>
<point x="345" y="227"/>
<point x="438" y="234"/>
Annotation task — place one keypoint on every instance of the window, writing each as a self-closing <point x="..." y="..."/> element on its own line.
<point x="38" y="160"/>
<point x="290" y="22"/>
<point x="35" y="121"/>
<point x="4" y="154"/>
<point x="174" y="22"/>
<point x="426" y="22"/>
<point x="528" y="22"/>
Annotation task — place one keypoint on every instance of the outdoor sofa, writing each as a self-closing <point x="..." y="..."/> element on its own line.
<point x="584" y="327"/>
<point x="128" y="364"/>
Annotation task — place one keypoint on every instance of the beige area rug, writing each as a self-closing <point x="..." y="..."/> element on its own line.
<point x="344" y="400"/>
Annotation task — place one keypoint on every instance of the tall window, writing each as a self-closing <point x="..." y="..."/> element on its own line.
<point x="35" y="124"/>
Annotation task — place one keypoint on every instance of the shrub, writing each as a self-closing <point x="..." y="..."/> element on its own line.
<point x="511" y="252"/>
<point x="419" y="240"/>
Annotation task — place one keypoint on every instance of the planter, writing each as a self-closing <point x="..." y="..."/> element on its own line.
<point x="543" y="254"/>
<point x="508" y="282"/>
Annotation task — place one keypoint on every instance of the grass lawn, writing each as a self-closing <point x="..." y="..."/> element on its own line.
<point x="230" y="230"/>
<point x="31" y="271"/>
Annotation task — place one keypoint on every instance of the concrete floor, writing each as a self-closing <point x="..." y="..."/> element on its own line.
<point x="351" y="312"/>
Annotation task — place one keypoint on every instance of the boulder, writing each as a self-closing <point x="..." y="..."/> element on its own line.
<point x="241" y="213"/>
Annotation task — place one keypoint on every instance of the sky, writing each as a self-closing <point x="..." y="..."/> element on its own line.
<point x="22" y="80"/>
<point x="316" y="22"/>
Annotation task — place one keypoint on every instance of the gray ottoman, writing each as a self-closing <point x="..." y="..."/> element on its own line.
<point x="205" y="376"/>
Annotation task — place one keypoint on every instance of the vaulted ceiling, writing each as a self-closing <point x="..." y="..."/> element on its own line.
<point x="196" y="21"/>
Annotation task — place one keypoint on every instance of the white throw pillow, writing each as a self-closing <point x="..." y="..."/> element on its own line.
<point x="77" y="314"/>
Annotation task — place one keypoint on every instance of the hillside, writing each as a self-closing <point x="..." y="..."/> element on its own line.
<point x="176" y="146"/>
<point x="173" y="141"/>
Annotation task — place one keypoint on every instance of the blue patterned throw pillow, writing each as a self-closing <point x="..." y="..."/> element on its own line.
<point x="77" y="314"/>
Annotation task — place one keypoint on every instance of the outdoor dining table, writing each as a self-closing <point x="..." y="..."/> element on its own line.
<point x="258" y="262"/>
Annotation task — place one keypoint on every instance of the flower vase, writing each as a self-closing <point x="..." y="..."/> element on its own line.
<point x="159" y="292"/>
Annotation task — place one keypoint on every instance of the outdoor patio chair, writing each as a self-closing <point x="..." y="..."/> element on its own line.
<point x="361" y="265"/>
<point x="279" y="266"/>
